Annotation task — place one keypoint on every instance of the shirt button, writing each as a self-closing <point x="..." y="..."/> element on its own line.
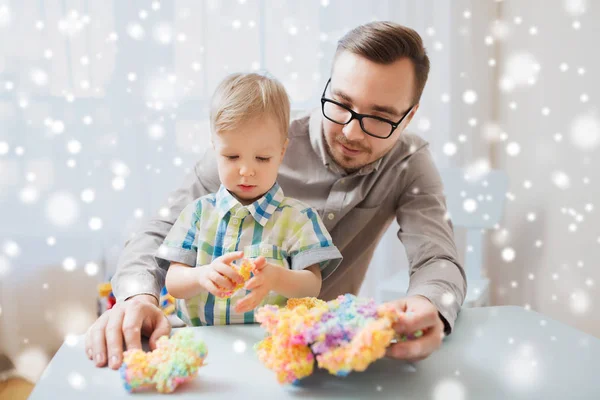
<point x="235" y="221"/>
<point x="331" y="216"/>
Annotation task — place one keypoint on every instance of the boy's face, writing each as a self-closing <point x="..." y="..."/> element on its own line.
<point x="367" y="88"/>
<point x="248" y="157"/>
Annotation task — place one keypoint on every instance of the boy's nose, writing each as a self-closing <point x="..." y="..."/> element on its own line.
<point x="246" y="171"/>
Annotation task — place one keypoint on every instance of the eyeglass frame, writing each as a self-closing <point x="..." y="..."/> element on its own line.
<point x="359" y="117"/>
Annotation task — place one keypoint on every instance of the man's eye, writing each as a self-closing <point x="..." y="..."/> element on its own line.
<point x="263" y="159"/>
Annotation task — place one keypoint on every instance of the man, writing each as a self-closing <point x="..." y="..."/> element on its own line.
<point x="353" y="163"/>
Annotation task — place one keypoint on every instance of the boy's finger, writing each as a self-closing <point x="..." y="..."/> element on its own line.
<point x="230" y="257"/>
<point x="220" y="280"/>
<point x="260" y="263"/>
<point x="229" y="272"/>
<point x="253" y="283"/>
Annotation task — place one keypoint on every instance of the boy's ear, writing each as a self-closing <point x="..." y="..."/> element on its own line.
<point x="285" y="144"/>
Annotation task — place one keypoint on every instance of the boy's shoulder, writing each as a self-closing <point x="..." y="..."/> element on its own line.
<point x="296" y="206"/>
<point x="209" y="199"/>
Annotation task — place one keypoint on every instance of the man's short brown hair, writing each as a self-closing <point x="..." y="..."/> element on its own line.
<point x="385" y="42"/>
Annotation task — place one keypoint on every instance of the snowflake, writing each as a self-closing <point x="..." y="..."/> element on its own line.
<point x="470" y="97"/>
<point x="62" y="209"/>
<point x="239" y="346"/>
<point x="136" y="31"/>
<point x="513" y="149"/>
<point x="91" y="268"/>
<point x="508" y="254"/>
<point x="76" y="380"/>
<point x="449" y="389"/>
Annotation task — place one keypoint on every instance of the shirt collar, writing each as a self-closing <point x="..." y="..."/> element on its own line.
<point x="317" y="140"/>
<point x="261" y="210"/>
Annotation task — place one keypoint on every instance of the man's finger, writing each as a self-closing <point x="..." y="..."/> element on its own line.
<point x="417" y="349"/>
<point x="163" y="327"/>
<point x="400" y="306"/>
<point x="132" y="325"/>
<point x="99" y="325"/>
<point x="114" y="338"/>
<point x="99" y="336"/>
<point x="230" y="257"/>
<point x="411" y="322"/>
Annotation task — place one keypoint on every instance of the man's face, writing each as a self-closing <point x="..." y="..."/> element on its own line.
<point x="367" y="88"/>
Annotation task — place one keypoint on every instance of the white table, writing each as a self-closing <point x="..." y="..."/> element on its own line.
<point x="494" y="353"/>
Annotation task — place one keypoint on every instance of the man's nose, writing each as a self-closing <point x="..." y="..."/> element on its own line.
<point x="353" y="131"/>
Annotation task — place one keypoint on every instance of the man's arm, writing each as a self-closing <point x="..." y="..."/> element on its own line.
<point x="138" y="272"/>
<point x="427" y="235"/>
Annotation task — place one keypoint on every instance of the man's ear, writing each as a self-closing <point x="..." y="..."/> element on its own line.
<point x="410" y="116"/>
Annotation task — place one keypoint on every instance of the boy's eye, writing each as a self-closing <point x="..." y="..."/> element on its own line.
<point x="231" y="157"/>
<point x="263" y="159"/>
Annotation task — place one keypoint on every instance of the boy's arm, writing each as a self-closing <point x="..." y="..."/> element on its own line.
<point x="182" y="281"/>
<point x="137" y="270"/>
<point x="292" y="283"/>
<point x="286" y="282"/>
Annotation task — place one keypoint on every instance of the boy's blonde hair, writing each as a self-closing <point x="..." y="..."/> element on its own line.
<point x="242" y="97"/>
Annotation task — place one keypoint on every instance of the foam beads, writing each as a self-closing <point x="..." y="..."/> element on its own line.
<point x="343" y="335"/>
<point x="174" y="361"/>
<point x="245" y="270"/>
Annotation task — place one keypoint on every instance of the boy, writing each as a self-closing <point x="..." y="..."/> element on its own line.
<point x="248" y="217"/>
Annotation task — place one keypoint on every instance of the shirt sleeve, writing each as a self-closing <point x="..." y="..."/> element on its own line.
<point x="427" y="235"/>
<point x="138" y="271"/>
<point x="309" y="243"/>
<point x="180" y="245"/>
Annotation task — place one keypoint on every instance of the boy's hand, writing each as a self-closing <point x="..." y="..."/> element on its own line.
<point x="220" y="275"/>
<point x="265" y="279"/>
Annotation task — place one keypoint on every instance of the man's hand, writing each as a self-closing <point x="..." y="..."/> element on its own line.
<point x="128" y="321"/>
<point x="417" y="313"/>
<point x="265" y="279"/>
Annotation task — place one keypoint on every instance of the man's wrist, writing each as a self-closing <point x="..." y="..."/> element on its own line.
<point x="144" y="297"/>
<point x="446" y="324"/>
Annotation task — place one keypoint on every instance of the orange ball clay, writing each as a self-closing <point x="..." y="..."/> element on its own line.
<point x="245" y="270"/>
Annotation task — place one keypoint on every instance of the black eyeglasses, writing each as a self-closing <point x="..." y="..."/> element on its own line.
<point x="370" y="124"/>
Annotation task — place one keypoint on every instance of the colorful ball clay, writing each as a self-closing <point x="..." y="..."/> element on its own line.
<point x="174" y="361"/>
<point x="343" y="335"/>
